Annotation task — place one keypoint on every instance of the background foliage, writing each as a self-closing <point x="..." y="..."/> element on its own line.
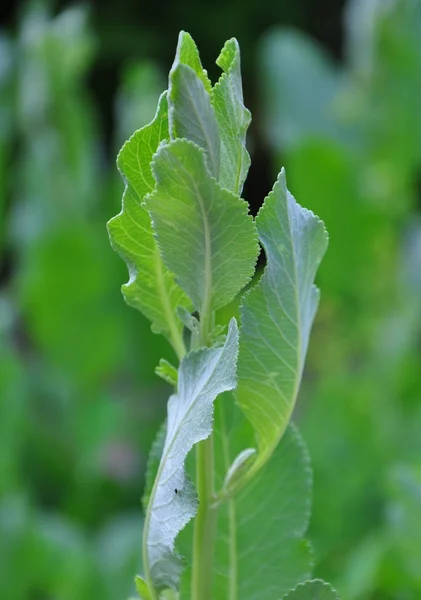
<point x="79" y="401"/>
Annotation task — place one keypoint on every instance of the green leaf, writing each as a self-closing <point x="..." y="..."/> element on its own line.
<point x="188" y="54"/>
<point x="260" y="551"/>
<point x="297" y="107"/>
<point x="312" y="590"/>
<point x="151" y="287"/>
<point x="202" y="376"/>
<point x="206" y="236"/>
<point x="239" y="465"/>
<point x="233" y="119"/>
<point x="142" y="588"/>
<point x="167" y="372"/>
<point x="189" y="321"/>
<point x="277" y="315"/>
<point x="191" y="114"/>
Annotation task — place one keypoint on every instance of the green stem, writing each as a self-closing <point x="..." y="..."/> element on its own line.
<point x="233" y="559"/>
<point x="232" y="520"/>
<point x="205" y="522"/>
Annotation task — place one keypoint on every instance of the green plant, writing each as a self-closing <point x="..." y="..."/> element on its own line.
<point x="191" y="247"/>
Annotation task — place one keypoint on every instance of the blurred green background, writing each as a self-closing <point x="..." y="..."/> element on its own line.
<point x="335" y="93"/>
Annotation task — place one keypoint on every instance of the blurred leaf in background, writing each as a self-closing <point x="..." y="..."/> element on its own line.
<point x="77" y="407"/>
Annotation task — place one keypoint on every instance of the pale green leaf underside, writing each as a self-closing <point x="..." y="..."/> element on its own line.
<point x="202" y="376"/>
<point x="277" y="315"/>
<point x="206" y="236"/>
<point x="312" y="590"/>
<point x="154" y="458"/>
<point x="191" y="114"/>
<point x="151" y="287"/>
<point x="233" y="119"/>
<point x="260" y="551"/>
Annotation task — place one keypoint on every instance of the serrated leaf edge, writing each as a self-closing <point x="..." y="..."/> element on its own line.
<point x="233" y="330"/>
<point x="304" y="583"/>
<point x="174" y="333"/>
<point x="270" y="198"/>
<point x="227" y="70"/>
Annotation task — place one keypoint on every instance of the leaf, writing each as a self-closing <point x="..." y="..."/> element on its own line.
<point x="189" y="321"/>
<point x="136" y="99"/>
<point x="202" y="376"/>
<point x="206" y="236"/>
<point x="142" y="588"/>
<point x="167" y="372"/>
<point x="297" y="107"/>
<point x="151" y="287"/>
<point x="312" y="590"/>
<point x="260" y="551"/>
<point x="233" y="119"/>
<point x="188" y="54"/>
<point x="239" y="465"/>
<point x="277" y="315"/>
<point x="191" y="114"/>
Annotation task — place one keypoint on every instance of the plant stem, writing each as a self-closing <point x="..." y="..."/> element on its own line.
<point x="233" y="559"/>
<point x="232" y="521"/>
<point x="205" y="523"/>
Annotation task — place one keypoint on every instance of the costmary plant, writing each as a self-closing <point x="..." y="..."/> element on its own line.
<point x="228" y="486"/>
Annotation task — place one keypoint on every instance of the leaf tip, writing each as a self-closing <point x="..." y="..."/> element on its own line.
<point x="142" y="588"/>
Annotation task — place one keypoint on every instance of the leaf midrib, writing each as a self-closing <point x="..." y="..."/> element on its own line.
<point x="207" y="300"/>
<point x="270" y="448"/>
<point x="267" y="450"/>
<point x="199" y="116"/>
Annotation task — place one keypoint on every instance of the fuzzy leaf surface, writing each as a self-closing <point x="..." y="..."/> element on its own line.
<point x="277" y="316"/>
<point x="151" y="288"/>
<point x="233" y="119"/>
<point x="154" y="458"/>
<point x="191" y="114"/>
<point x="312" y="590"/>
<point x="207" y="238"/>
<point x="203" y="375"/>
<point x="188" y="54"/>
<point x="260" y="551"/>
